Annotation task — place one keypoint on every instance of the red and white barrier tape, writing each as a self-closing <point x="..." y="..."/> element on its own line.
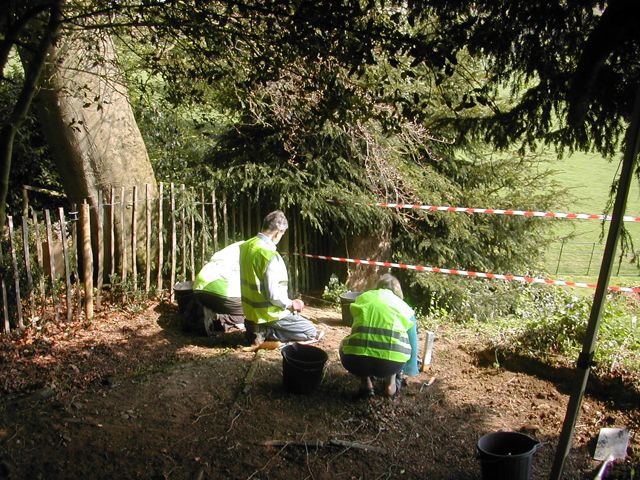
<point x="496" y="211"/>
<point x="451" y="271"/>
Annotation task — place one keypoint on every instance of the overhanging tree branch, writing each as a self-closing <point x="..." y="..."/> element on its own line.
<point x="21" y="108"/>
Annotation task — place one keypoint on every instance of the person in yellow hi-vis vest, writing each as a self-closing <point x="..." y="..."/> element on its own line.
<point x="216" y="289"/>
<point x="383" y="342"/>
<point x="270" y="313"/>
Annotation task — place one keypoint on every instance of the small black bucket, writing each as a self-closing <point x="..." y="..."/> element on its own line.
<point x="506" y="455"/>
<point x="346" y="299"/>
<point x="302" y="367"/>
<point x="183" y="293"/>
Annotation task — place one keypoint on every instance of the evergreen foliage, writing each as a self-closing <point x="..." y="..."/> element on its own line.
<point x="327" y="122"/>
<point x="32" y="163"/>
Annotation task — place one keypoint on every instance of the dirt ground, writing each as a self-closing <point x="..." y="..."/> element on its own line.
<point x="134" y="396"/>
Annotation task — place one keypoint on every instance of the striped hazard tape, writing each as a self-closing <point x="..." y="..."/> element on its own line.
<point x="466" y="273"/>
<point x="497" y="211"/>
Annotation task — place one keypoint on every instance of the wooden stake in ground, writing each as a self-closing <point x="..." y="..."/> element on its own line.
<point x="134" y="237"/>
<point x="160" y="238"/>
<point x="27" y="267"/>
<point x="16" y="273"/>
<point x="67" y="268"/>
<point x="100" y="247"/>
<point x="52" y="265"/>
<point x="87" y="260"/>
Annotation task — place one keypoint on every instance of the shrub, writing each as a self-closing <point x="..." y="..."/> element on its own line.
<point x="334" y="289"/>
<point x="552" y="322"/>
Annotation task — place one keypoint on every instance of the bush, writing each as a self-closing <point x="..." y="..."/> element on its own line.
<point x="552" y="322"/>
<point x="334" y="289"/>
<point x="464" y="299"/>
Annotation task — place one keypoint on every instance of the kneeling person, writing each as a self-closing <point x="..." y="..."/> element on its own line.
<point x="217" y="289"/>
<point x="270" y="313"/>
<point x="383" y="341"/>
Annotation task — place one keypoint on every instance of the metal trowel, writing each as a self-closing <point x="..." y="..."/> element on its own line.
<point x="612" y="445"/>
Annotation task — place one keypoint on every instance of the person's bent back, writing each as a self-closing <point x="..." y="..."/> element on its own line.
<point x="217" y="288"/>
<point x="380" y="344"/>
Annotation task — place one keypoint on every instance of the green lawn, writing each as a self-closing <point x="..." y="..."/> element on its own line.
<point x="588" y="178"/>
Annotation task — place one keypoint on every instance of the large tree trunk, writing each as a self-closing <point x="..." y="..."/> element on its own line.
<point x="89" y="124"/>
<point x="370" y="247"/>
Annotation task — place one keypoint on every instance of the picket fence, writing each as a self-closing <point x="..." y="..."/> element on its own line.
<point x="52" y="260"/>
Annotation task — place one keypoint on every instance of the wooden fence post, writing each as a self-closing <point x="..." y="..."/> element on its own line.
<point x="87" y="259"/>
<point x="192" y="249"/>
<point x="67" y="269"/>
<point x="183" y="230"/>
<point x="147" y="256"/>
<point x="241" y="208"/>
<point x="203" y="225"/>
<point x="40" y="257"/>
<point x="16" y="273"/>
<point x="225" y="219"/>
<point x="134" y="239"/>
<point x="123" y="239"/>
<point x="249" y="226"/>
<point x="214" y="220"/>
<point x="52" y="265"/>
<point x="100" y="247"/>
<point x="232" y="223"/>
<point x="173" y="241"/>
<point x="73" y="258"/>
<point x="293" y="259"/>
<point x="304" y="260"/>
<point x="5" y="305"/>
<point x="160" y="238"/>
<point x="112" y="232"/>
<point x="27" y="268"/>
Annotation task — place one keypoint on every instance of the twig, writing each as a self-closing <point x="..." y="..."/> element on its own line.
<point x="235" y="410"/>
<point x="357" y="445"/>
<point x="251" y="372"/>
<point x="233" y="420"/>
<point x="335" y="442"/>
<point x="289" y="443"/>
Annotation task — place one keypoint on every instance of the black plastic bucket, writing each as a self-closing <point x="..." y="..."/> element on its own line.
<point x="346" y="299"/>
<point x="183" y="293"/>
<point x="302" y="367"/>
<point x="506" y="455"/>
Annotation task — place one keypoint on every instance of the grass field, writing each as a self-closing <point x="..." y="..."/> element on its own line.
<point x="588" y="178"/>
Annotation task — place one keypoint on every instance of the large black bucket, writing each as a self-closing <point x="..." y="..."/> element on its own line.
<point x="506" y="455"/>
<point x="189" y="309"/>
<point x="302" y="367"/>
<point x="183" y="293"/>
<point x="346" y="299"/>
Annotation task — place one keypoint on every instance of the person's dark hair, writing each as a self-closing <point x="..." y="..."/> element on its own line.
<point x="390" y="282"/>
<point x="275" y="221"/>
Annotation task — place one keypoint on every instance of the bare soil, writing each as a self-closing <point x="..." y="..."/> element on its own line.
<point x="135" y="396"/>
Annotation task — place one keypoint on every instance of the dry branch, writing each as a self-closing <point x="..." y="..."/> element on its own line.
<point x="334" y="442"/>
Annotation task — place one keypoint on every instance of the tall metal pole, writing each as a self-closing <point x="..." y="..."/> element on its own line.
<point x="585" y="359"/>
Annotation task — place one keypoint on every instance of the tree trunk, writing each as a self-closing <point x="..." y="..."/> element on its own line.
<point x="370" y="247"/>
<point x="89" y="124"/>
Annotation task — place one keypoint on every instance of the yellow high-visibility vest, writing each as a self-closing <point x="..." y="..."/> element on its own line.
<point x="254" y="260"/>
<point x="380" y="324"/>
